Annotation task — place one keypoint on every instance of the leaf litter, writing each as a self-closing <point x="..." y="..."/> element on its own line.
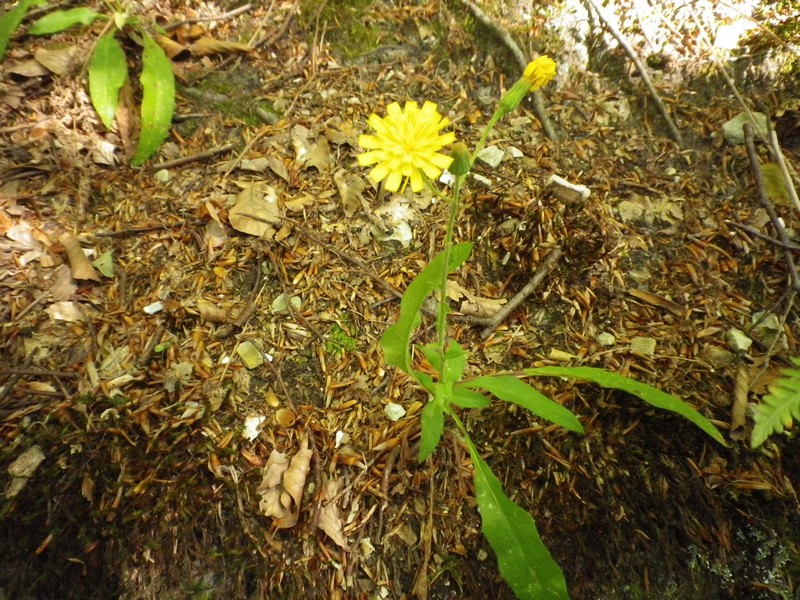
<point x="141" y="413"/>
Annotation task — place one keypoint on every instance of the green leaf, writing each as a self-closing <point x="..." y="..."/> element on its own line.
<point x="653" y="396"/>
<point x="64" y="19"/>
<point x="11" y="20"/>
<point x="396" y="339"/>
<point x="432" y="419"/>
<point x="158" y="100"/>
<point x="455" y="361"/>
<point x="778" y="409"/>
<point x="524" y="562"/>
<point x="464" y="398"/>
<point x="512" y="389"/>
<point x="107" y="74"/>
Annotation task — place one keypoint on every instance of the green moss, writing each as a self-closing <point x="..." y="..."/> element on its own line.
<point x="348" y="28"/>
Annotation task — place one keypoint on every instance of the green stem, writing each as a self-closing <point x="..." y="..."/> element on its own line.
<point x="441" y="315"/>
<point x="498" y="114"/>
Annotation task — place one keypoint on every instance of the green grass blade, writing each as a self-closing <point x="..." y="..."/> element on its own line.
<point x="107" y="73"/>
<point x="524" y="562"/>
<point x="64" y="19"/>
<point x="512" y="389"/>
<point x="11" y="20"/>
<point x="158" y="100"/>
<point x="396" y="340"/>
<point x="653" y="396"/>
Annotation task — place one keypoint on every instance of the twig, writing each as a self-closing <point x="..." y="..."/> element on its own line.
<point x="775" y="150"/>
<point x="179" y="162"/>
<point x="674" y="132"/>
<point x="765" y="237"/>
<point x="522" y="62"/>
<point x="492" y="322"/>
<point x="755" y="166"/>
<point x="221" y="17"/>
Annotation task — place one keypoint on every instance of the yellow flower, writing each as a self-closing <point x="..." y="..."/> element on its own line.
<point x="537" y="74"/>
<point x="406" y="145"/>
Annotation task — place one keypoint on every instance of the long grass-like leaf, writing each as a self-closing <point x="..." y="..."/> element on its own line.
<point x="513" y="390"/>
<point x="524" y="562"/>
<point x="158" y="100"/>
<point x="11" y="20"/>
<point x="64" y="19"/>
<point x="653" y="396"/>
<point x="779" y="408"/>
<point x="107" y="73"/>
<point x="396" y="340"/>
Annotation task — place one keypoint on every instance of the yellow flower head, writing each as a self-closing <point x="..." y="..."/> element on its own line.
<point x="539" y="72"/>
<point x="406" y="145"/>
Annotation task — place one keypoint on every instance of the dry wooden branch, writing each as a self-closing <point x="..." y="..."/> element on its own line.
<point x="673" y="129"/>
<point x="492" y="322"/>
<point x="755" y="165"/>
<point x="522" y="62"/>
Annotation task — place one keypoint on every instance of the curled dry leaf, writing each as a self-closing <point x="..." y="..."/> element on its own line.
<point x="281" y="488"/>
<point x="80" y="265"/>
<point x="350" y="188"/>
<point x="330" y="518"/>
<point x="207" y="46"/>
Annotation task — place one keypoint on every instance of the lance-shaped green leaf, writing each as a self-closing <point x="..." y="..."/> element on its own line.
<point x="397" y="338"/>
<point x="107" y="74"/>
<point x="432" y="420"/>
<point x="64" y="19"/>
<point x="464" y="398"/>
<point x="11" y="20"/>
<point x="653" y="396"/>
<point x="524" y="562"/>
<point x="158" y="100"/>
<point x="513" y="390"/>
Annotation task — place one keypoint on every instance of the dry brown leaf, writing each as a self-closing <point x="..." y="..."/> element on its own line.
<point x="211" y="312"/>
<point x="474" y="305"/>
<point x="330" y="518"/>
<point x="206" y="46"/>
<point x="310" y="152"/>
<point x="741" y="391"/>
<point x="350" y="188"/>
<point x="281" y="488"/>
<point x="81" y="267"/>
<point x="256" y="210"/>
<point x="170" y="47"/>
<point x="57" y="58"/>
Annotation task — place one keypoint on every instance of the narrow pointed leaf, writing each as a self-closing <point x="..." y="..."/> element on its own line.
<point x="432" y="419"/>
<point x="464" y="398"/>
<point x="158" y="100"/>
<point x="653" y="396"/>
<point x="511" y="389"/>
<point x="64" y="19"/>
<point x="397" y="338"/>
<point x="11" y="19"/>
<point x="524" y="562"/>
<point x="107" y="73"/>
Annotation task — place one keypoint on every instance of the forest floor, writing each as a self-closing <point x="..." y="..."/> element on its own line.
<point x="155" y="436"/>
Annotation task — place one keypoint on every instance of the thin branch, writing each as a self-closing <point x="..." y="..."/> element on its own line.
<point x="765" y="237"/>
<point x="492" y="322"/>
<point x="662" y="108"/>
<point x="522" y="62"/>
<point x="755" y="166"/>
